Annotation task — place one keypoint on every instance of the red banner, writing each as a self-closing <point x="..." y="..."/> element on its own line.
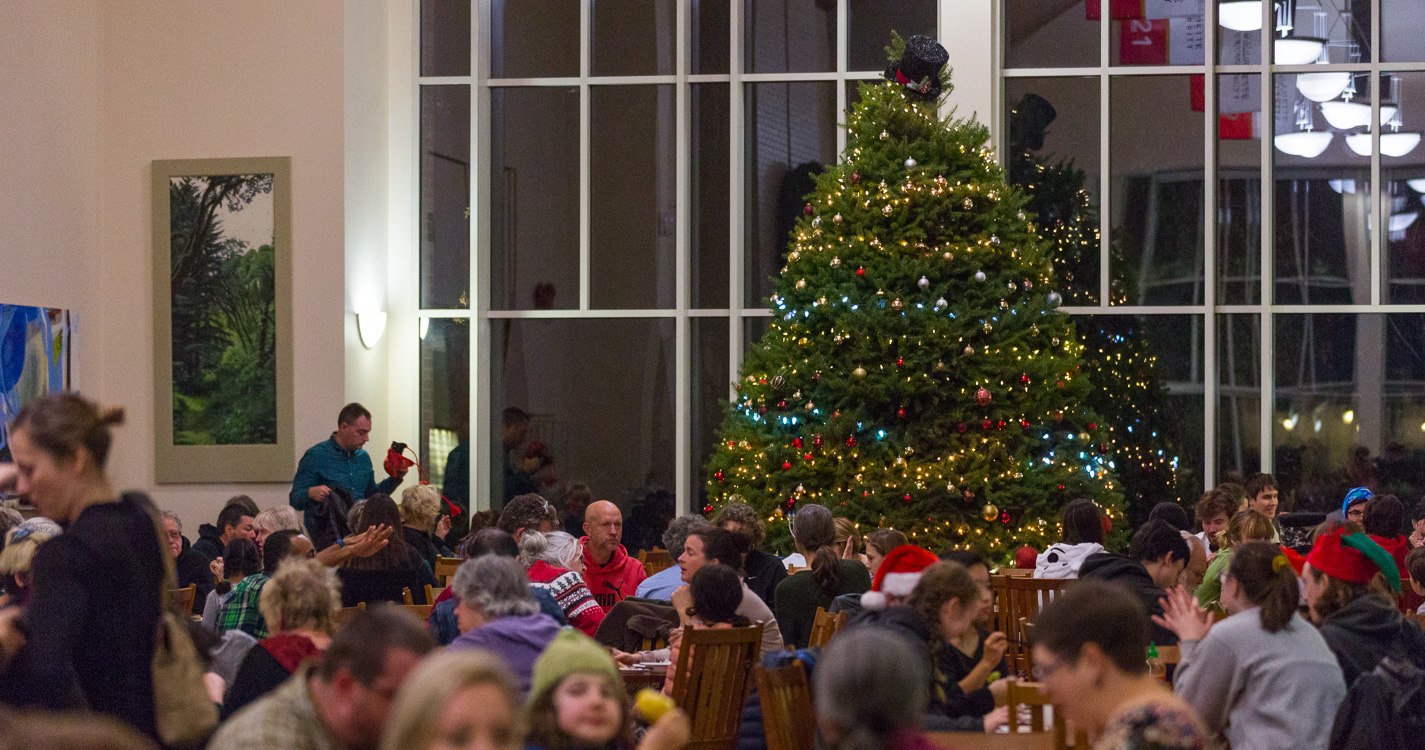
<point x="1143" y="42"/>
<point x="1122" y="9"/>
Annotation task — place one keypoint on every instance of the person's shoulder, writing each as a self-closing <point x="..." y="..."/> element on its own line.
<point x="275" y="721"/>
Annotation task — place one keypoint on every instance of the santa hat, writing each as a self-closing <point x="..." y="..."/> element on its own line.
<point x="898" y="574"/>
<point x="1352" y="557"/>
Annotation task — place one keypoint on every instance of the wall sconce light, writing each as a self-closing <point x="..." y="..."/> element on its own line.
<point x="370" y="326"/>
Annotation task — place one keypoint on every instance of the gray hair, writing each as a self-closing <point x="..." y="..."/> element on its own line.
<point x="495" y="587"/>
<point x="679" y="529"/>
<point x="870" y="683"/>
<point x="170" y="515"/>
<point x="556" y="548"/>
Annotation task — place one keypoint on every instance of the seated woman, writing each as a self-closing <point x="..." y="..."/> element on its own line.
<point x="240" y="559"/>
<point x="300" y="603"/>
<point x="487" y="541"/>
<point x="870" y="691"/>
<point x="710" y="600"/>
<point x="1263" y="677"/>
<point x="381" y="576"/>
<point x="422" y="525"/>
<point x="497" y="612"/>
<point x="1245" y="526"/>
<point x="799" y="596"/>
<point x="554" y="563"/>
<point x="274" y="519"/>
<point x="879" y="543"/>
<point x="1083" y="536"/>
<point x="1089" y="647"/>
<point x="21" y="541"/>
<point x="1351" y="585"/>
<point x="950" y="601"/>
<point x="456" y="699"/>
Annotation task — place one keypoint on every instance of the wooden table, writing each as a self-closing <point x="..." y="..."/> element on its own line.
<point x="635" y="680"/>
<point x="983" y="741"/>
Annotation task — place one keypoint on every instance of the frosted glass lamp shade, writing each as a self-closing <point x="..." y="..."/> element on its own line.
<point x="1322" y="87"/>
<point x="1391" y="144"/>
<point x="1245" y="15"/>
<point x="1296" y="50"/>
<point x="1304" y="143"/>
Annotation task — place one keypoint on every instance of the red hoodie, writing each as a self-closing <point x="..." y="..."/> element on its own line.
<point x="1398" y="549"/>
<point x="613" y="582"/>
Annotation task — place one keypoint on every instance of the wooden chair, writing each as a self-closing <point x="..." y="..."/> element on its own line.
<point x="421" y="611"/>
<point x="787" y="714"/>
<point x="445" y="568"/>
<point x="655" y="560"/>
<point x="1017" y="572"/>
<point x="981" y="741"/>
<point x="653" y="644"/>
<point x="1018" y="694"/>
<point x="407" y="597"/>
<point x="712" y="680"/>
<point x="793" y="570"/>
<point x="433" y="593"/>
<point x="347" y="613"/>
<point x="1023" y="597"/>
<point x="825" y="626"/>
<point x="182" y="599"/>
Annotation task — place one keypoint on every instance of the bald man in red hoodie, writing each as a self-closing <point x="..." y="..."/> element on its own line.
<point x="611" y="574"/>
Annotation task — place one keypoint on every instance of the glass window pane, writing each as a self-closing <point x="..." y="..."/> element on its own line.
<point x="793" y="36"/>
<point x="1239" y="190"/>
<point x="1238" y="47"/>
<point x="1322" y="197"/>
<point x="445" y="197"/>
<point x="710" y="377"/>
<point x="632" y="176"/>
<point x="1402" y="31"/>
<point x="1061" y="34"/>
<point x="534" y="196"/>
<point x="634" y="37"/>
<point x="1156" y="141"/>
<point x="1158" y="32"/>
<point x="791" y="137"/>
<point x="445" y="38"/>
<point x="1239" y="397"/>
<point x="869" y="24"/>
<point x="1147" y="376"/>
<point x="1402" y="172"/>
<point x="1345" y="25"/>
<point x="534" y="38"/>
<point x="1338" y="422"/>
<point x="712" y="40"/>
<point x="753" y="328"/>
<point x="711" y="180"/>
<point x="599" y="394"/>
<point x="445" y="405"/>
<point x="1054" y="158"/>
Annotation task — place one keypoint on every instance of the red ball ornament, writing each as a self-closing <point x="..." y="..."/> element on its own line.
<point x="707" y="508"/>
<point x="961" y="427"/>
<point x="762" y="410"/>
<point x="900" y="413"/>
<point x="781" y="404"/>
<point x="1024" y="423"/>
<point x="807" y="210"/>
<point x="731" y="444"/>
<point x="1000" y="424"/>
<point x="1093" y="425"/>
<point x="1107" y="523"/>
<point x="1061" y="486"/>
<point x="796" y="442"/>
<point x="1004" y="517"/>
<point x="718" y="476"/>
<point x="1024" y="379"/>
<point x="983" y="396"/>
<point x="816" y="441"/>
<point x="786" y="465"/>
<point x="851" y="441"/>
<point x="807" y="456"/>
<point x="860" y="272"/>
<point x="900" y="362"/>
<point x="987" y="424"/>
<point x="1061" y="384"/>
<point x="907" y="497"/>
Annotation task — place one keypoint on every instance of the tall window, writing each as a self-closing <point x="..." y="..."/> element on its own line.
<point x="606" y="190"/>
<point x="1256" y="172"/>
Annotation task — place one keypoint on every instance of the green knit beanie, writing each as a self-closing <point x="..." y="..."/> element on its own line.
<point x="571" y="652"/>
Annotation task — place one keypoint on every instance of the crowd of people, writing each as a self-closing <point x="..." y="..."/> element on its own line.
<point x="1294" y="631"/>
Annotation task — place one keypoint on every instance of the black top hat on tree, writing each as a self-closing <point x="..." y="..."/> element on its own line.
<point x="918" y="68"/>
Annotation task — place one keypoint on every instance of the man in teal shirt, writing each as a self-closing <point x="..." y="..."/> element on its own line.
<point x="339" y="461"/>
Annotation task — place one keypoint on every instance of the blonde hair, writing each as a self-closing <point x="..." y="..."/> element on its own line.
<point x="415" y="713"/>
<point x="303" y="593"/>
<point x="279" y="518"/>
<point x="17" y="555"/>
<point x="846" y="529"/>
<point x="420" y="505"/>
<point x="1248" y="525"/>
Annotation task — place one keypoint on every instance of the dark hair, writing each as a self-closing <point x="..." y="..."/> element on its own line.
<point x="543" y="720"/>
<point x="1259" y="483"/>
<point x="276" y="548"/>
<point x="515" y="415"/>
<point x="1218" y="501"/>
<point x="1417" y="510"/>
<point x="362" y="643"/>
<point x="1082" y="522"/>
<point x="377" y="510"/>
<point x="1267" y="580"/>
<point x="885" y="540"/>
<point x="1385" y="516"/>
<point x="1173" y="514"/>
<point x="61" y="423"/>
<point x="231" y="515"/>
<point x="727" y="547"/>
<point x="1156" y="538"/>
<point x="717" y="593"/>
<point x="1103" y="613"/>
<point x="352" y="412"/>
<point x="938" y="584"/>
<point x="490" y="541"/>
<point x="526" y="512"/>
<point x="1337" y="593"/>
<point x="1415" y="565"/>
<point x="815" y="529"/>
<point x="747" y="518"/>
<point x="240" y="557"/>
<point x="244" y="502"/>
<point x="967" y="557"/>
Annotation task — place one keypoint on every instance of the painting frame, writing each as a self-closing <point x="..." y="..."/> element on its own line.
<point x="210" y="463"/>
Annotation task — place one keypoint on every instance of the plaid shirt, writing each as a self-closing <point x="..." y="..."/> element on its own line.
<point x="241" y="611"/>
<point x="284" y="719"/>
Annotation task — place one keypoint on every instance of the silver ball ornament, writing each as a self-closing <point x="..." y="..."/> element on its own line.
<point x="924" y="283"/>
<point x="980" y="276"/>
<point x="910" y="163"/>
<point x="1055" y="299"/>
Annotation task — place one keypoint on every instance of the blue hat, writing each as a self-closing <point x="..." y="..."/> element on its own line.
<point x="1356" y="495"/>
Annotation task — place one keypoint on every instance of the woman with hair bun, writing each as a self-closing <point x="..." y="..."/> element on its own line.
<point x="98" y="587"/>
<point x="799" y="595"/>
<point x="1263" y="676"/>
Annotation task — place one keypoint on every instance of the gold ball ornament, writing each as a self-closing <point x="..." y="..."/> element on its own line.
<point x="859" y="372"/>
<point x="801" y="283"/>
<point x="989" y="512"/>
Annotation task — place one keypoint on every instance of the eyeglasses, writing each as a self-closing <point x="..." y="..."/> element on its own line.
<point x="1043" y="672"/>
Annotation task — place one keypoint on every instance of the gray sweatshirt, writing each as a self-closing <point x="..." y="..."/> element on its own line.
<point x="1264" y="691"/>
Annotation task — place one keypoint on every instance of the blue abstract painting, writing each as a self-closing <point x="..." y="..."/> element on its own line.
<point x="34" y="359"/>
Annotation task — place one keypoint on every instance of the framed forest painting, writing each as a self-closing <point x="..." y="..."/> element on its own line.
<point x="222" y="294"/>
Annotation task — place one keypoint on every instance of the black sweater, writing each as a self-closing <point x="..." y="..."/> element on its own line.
<point x="799" y="595"/>
<point x="763" y="572"/>
<point x="93" y="619"/>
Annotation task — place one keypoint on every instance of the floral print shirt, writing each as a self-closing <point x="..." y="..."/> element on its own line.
<point x="1153" y="726"/>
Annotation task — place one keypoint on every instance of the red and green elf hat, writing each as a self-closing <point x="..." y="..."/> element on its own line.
<point x="1353" y="557"/>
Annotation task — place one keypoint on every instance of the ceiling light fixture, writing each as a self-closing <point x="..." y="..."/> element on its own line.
<point x="1322" y="87"/>
<point x="1305" y="143"/>
<point x="1297" y="50"/>
<point x="1243" y="15"/>
<point x="1347" y="115"/>
<point x="1391" y="144"/>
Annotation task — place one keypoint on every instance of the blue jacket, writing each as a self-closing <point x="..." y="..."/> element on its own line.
<point x="334" y="466"/>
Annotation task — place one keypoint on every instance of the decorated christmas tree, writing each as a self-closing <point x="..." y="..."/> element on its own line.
<point x="916" y="373"/>
<point x="1125" y="386"/>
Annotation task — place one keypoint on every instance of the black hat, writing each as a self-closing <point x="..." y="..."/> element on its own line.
<point x="919" y="67"/>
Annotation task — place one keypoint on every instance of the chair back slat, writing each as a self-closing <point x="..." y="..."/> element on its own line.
<point x="825" y="626"/>
<point x="712" y="680"/>
<point x="786" y="707"/>
<point x="1042" y="715"/>
<point x="183" y="598"/>
<point x="445" y="569"/>
<point x="421" y="611"/>
<point x="1025" y="597"/>
<point x="655" y="560"/>
<point x="407" y="597"/>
